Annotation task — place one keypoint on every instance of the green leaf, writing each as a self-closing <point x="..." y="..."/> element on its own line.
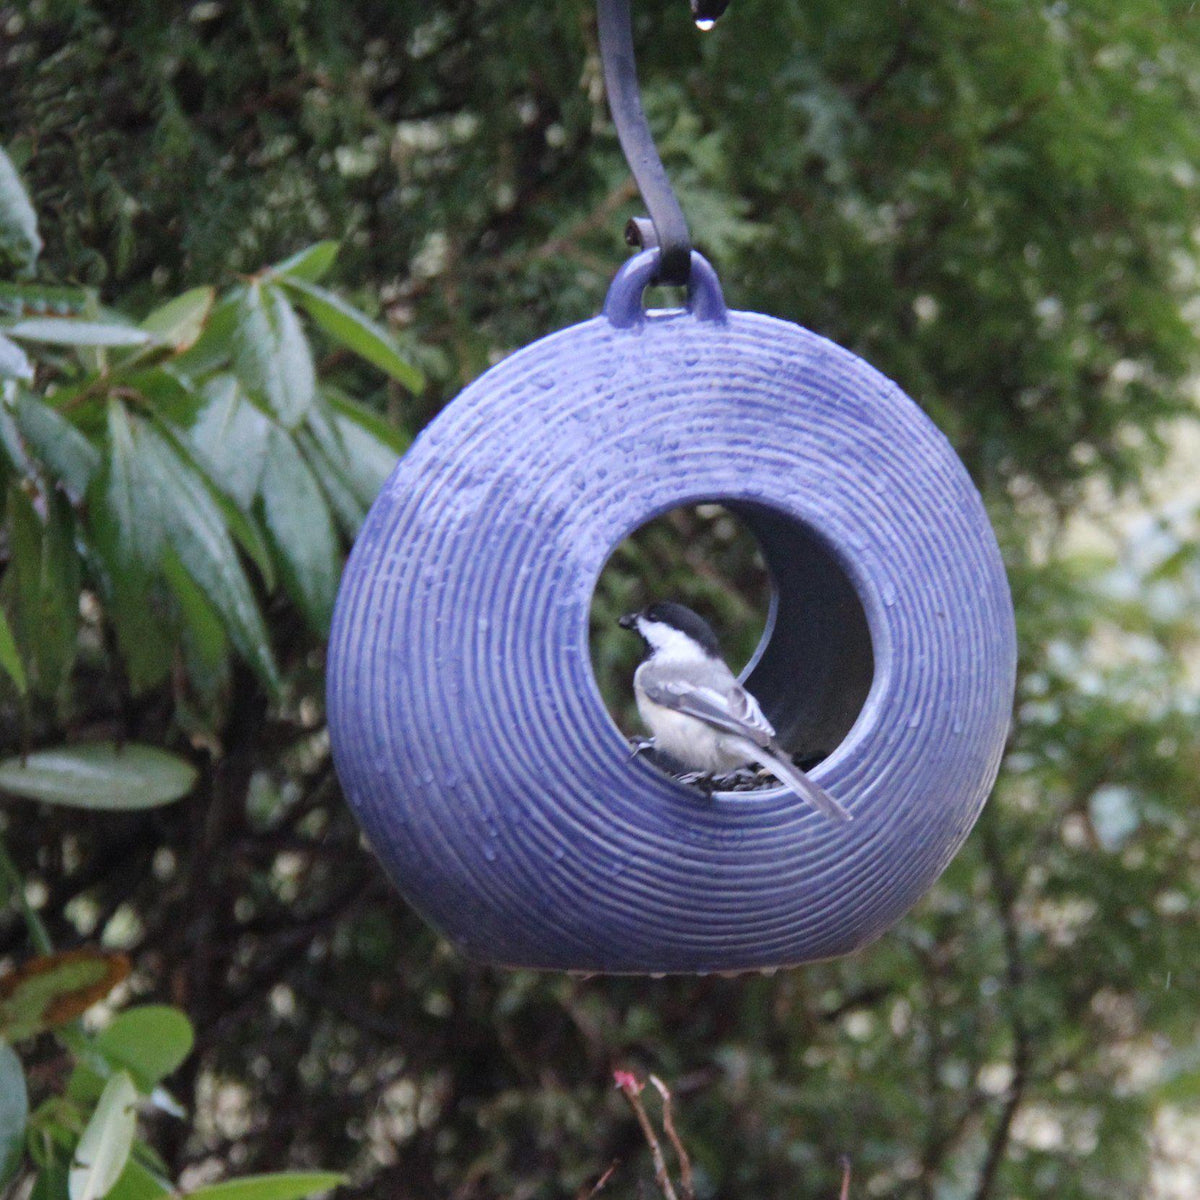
<point x="99" y="775"/>
<point x="283" y="1186"/>
<point x="230" y="438"/>
<point x="14" y="1113"/>
<point x="72" y="331"/>
<point x="180" y="322"/>
<point x="107" y="1138"/>
<point x="69" y="456"/>
<point x="14" y="363"/>
<point x="149" y="1042"/>
<point x="298" y="522"/>
<point x="354" y="330"/>
<point x="125" y="510"/>
<point x="51" y="990"/>
<point x="51" y="1182"/>
<point x="199" y="535"/>
<point x="166" y="395"/>
<point x="205" y="646"/>
<point x="215" y="347"/>
<point x="272" y="356"/>
<point x="44" y="587"/>
<point x="138" y="1182"/>
<point x="311" y="263"/>
<point x="19" y="240"/>
<point x="346" y="507"/>
<point x="396" y="440"/>
<point x="10" y="659"/>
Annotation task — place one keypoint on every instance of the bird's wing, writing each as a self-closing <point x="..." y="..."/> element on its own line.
<point x="732" y="709"/>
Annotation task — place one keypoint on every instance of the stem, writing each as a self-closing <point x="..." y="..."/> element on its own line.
<point x="16" y="881"/>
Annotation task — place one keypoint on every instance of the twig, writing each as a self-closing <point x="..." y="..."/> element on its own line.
<point x="685" y="1163"/>
<point x="845" y="1192"/>
<point x="601" y="1181"/>
<point x="631" y="1086"/>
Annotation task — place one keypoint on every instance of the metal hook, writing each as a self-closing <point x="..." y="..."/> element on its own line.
<point x="666" y="229"/>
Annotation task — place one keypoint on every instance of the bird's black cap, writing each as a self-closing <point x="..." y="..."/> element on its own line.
<point x="680" y="617"/>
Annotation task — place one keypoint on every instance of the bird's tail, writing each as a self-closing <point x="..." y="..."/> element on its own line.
<point x="779" y="766"/>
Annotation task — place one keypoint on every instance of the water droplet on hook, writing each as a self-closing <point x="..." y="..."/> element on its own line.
<point x="704" y="24"/>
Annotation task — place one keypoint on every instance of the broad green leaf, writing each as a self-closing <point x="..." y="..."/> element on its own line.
<point x="166" y="395"/>
<point x="20" y="244"/>
<point x="14" y="363"/>
<point x="12" y="447"/>
<point x="107" y="1138"/>
<point x="14" y="1113"/>
<point x="126" y="510"/>
<point x="215" y="347"/>
<point x="370" y="460"/>
<point x="71" y="458"/>
<point x="74" y="331"/>
<point x="138" y="1182"/>
<point x="346" y="507"/>
<point x="53" y="989"/>
<point x="354" y="330"/>
<point x="180" y="322"/>
<point x="146" y="637"/>
<point x="51" y="1182"/>
<point x="396" y="440"/>
<point x="200" y="536"/>
<point x="99" y="775"/>
<point x="311" y="263"/>
<point x="272" y="356"/>
<point x="204" y="642"/>
<point x="149" y="1042"/>
<point x="361" y="460"/>
<point x="230" y="439"/>
<point x="10" y="659"/>
<point x="283" y="1186"/>
<point x="45" y="582"/>
<point x="297" y="520"/>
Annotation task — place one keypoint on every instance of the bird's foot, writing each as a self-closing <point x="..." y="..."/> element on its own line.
<point x="640" y="746"/>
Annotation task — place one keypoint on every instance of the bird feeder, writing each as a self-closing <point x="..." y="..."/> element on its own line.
<point x="467" y="726"/>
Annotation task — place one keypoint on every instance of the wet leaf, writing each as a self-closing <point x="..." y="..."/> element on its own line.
<point x="149" y="1042"/>
<point x="311" y="263"/>
<point x="14" y="1113"/>
<point x="19" y="240"/>
<point x="74" y="331"/>
<point x="51" y="990"/>
<point x="180" y="322"/>
<point x="271" y="354"/>
<point x="107" y="1138"/>
<point x="354" y="330"/>
<point x="99" y="775"/>
<point x="283" y="1186"/>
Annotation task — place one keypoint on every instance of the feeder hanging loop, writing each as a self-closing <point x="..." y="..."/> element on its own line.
<point x="666" y="228"/>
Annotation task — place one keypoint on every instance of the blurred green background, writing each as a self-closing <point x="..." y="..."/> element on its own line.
<point x="996" y="204"/>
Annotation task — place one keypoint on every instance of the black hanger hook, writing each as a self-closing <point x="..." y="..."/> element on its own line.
<point x="666" y="229"/>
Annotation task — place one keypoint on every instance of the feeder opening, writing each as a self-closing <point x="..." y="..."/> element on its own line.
<point x="788" y="618"/>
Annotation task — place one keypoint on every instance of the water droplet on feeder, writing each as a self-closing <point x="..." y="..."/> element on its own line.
<point x="704" y="24"/>
<point x="489" y="851"/>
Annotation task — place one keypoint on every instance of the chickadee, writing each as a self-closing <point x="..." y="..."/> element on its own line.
<point x="698" y="712"/>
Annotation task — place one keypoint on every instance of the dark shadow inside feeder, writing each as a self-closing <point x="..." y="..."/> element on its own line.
<point x="790" y="623"/>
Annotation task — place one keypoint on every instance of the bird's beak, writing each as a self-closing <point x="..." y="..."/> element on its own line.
<point x="628" y="621"/>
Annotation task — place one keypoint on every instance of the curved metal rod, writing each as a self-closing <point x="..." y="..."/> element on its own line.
<point x="667" y="228"/>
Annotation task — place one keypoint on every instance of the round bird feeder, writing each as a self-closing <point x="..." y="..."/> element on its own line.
<point x="467" y="726"/>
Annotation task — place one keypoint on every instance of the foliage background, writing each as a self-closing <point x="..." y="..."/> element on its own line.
<point x="996" y="205"/>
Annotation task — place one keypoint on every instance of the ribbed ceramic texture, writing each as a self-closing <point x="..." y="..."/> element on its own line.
<point x="467" y="727"/>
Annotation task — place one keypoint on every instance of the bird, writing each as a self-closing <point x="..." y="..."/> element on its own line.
<point x="697" y="711"/>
